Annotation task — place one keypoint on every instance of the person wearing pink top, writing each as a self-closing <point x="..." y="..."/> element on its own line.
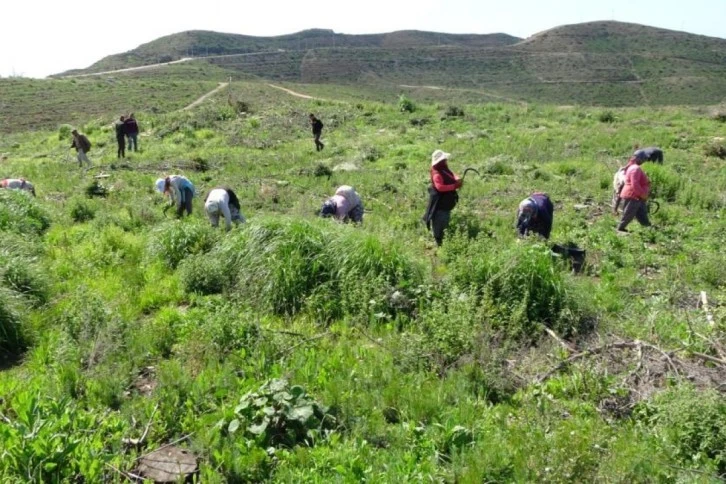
<point x="344" y="206"/>
<point x="635" y="193"/>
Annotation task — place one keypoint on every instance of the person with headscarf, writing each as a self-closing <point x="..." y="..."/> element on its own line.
<point x="535" y="215"/>
<point x="443" y="195"/>
<point x="345" y="205"/>
<point x="223" y="201"/>
<point x="180" y="191"/>
<point x="634" y="193"/>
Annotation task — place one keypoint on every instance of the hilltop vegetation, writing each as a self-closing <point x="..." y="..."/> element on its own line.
<point x="294" y="349"/>
<point x="596" y="63"/>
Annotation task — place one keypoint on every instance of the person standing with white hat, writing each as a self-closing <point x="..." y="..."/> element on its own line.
<point x="442" y="195"/>
<point x="180" y="191"/>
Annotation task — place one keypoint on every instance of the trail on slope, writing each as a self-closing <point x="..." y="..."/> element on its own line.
<point x="296" y="94"/>
<point x="131" y="69"/>
<point x="199" y="101"/>
<point x="460" y="89"/>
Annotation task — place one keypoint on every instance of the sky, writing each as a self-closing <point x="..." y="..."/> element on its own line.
<point x="42" y="37"/>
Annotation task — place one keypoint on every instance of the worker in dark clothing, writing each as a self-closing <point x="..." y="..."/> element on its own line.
<point x="132" y="132"/>
<point x="651" y="154"/>
<point x="121" y="137"/>
<point x="442" y="195"/>
<point x="535" y="214"/>
<point x="317" y="132"/>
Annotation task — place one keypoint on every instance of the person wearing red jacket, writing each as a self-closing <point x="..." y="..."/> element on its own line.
<point x="635" y="193"/>
<point x="442" y="195"/>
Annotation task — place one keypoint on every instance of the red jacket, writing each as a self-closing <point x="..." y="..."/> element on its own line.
<point x="443" y="179"/>
<point x="637" y="185"/>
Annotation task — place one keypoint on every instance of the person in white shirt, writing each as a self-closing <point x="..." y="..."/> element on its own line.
<point x="223" y="201"/>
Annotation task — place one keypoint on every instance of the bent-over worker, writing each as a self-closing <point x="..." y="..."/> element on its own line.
<point x="180" y="191"/>
<point x="344" y="206"/>
<point x="535" y="214"/>
<point x="223" y="201"/>
<point x="17" y="184"/>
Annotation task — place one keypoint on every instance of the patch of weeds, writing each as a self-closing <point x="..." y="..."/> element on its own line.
<point x="174" y="241"/>
<point x="606" y="117"/>
<point x="81" y="211"/>
<point x="405" y="105"/>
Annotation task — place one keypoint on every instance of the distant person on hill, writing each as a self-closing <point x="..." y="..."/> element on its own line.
<point x="651" y="154"/>
<point x="82" y="146"/>
<point x="121" y="137"/>
<point x="17" y="184"/>
<point x="180" y="191"/>
<point x="317" y="126"/>
<point x="132" y="132"/>
<point x="223" y="201"/>
<point x="442" y="195"/>
<point x="535" y="215"/>
<point x="635" y="193"/>
<point x="345" y="205"/>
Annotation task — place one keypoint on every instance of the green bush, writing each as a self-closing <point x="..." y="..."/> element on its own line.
<point x="521" y="286"/>
<point x="12" y="341"/>
<point x="664" y="182"/>
<point x="287" y="265"/>
<point x="280" y="415"/>
<point x="715" y="149"/>
<point x="19" y="274"/>
<point x="176" y="240"/>
<point x="606" y="117"/>
<point x="82" y="212"/>
<point x="405" y="105"/>
<point x="204" y="274"/>
<point x="691" y="422"/>
<point x="20" y="213"/>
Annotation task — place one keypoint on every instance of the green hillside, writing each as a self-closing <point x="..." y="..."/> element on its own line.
<point x="597" y="63"/>
<point x="298" y="349"/>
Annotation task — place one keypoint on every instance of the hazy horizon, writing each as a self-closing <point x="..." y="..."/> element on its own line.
<point x="65" y="38"/>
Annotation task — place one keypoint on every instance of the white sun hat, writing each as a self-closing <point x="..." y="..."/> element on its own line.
<point x="438" y="156"/>
<point x="160" y="184"/>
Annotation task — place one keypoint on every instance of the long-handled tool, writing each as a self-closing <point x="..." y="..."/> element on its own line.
<point x="653" y="206"/>
<point x="468" y="170"/>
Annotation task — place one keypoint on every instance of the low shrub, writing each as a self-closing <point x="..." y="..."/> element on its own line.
<point x="12" y="341"/>
<point x="520" y="286"/>
<point x="453" y="111"/>
<point x="174" y="241"/>
<point x="715" y="149"/>
<point x="20" y="213"/>
<point x="664" y="182"/>
<point x="691" y="422"/>
<point x="20" y="275"/>
<point x="82" y="212"/>
<point x="606" y="117"/>
<point x="202" y="274"/>
<point x="405" y="105"/>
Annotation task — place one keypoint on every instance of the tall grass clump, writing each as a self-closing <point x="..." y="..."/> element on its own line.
<point x="174" y="241"/>
<point x="12" y="341"/>
<point x="286" y="266"/>
<point x="522" y="287"/>
<point x="664" y="182"/>
<point x="20" y="213"/>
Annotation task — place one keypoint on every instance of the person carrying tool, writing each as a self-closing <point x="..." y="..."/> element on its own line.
<point x="535" y="215"/>
<point x="120" y="127"/>
<point x="225" y="202"/>
<point x="180" y="191"/>
<point x="634" y="193"/>
<point x="651" y="154"/>
<point x="443" y="195"/>
<point x="344" y="206"/>
<point x="17" y="184"/>
<point x="317" y="126"/>
<point x="82" y="146"/>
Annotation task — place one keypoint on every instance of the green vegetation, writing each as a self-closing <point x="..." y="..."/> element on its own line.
<point x="296" y="349"/>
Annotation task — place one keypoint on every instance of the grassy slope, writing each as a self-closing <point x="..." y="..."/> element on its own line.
<point x="116" y="309"/>
<point x="597" y="63"/>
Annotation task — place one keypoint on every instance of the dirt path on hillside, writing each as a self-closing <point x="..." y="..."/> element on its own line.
<point x="131" y="69"/>
<point x="296" y="94"/>
<point x="459" y="89"/>
<point x="199" y="101"/>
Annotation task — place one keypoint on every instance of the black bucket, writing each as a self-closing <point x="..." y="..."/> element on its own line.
<point x="575" y="255"/>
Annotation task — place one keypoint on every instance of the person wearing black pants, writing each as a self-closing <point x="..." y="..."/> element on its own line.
<point x="317" y="132"/>
<point x="121" y="137"/>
